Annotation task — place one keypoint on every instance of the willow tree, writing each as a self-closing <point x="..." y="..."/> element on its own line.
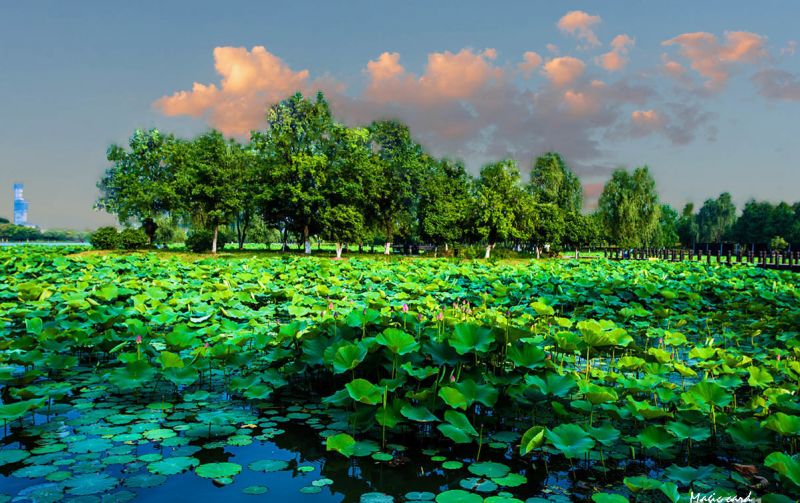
<point x="629" y="207"/>
<point x="551" y="182"/>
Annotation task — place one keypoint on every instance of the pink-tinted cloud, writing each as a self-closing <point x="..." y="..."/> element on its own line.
<point x="448" y="76"/>
<point x="248" y="77"/>
<point x="647" y="120"/>
<point x="530" y="62"/>
<point x="714" y="60"/>
<point x="616" y="59"/>
<point x="580" y="24"/>
<point x="564" y="71"/>
<point x="777" y="85"/>
<point x="465" y="104"/>
<point x="790" y="48"/>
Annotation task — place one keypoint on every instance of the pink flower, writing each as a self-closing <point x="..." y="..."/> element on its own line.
<point x="138" y="339"/>
<point x="405" y="308"/>
<point x="440" y="316"/>
<point x="419" y="317"/>
<point x="206" y="345"/>
<point x="660" y="341"/>
<point x="779" y="357"/>
<point x="452" y="378"/>
<point x="330" y="306"/>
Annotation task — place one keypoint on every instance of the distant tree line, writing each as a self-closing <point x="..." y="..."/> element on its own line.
<point x="19" y="233"/>
<point x="308" y="176"/>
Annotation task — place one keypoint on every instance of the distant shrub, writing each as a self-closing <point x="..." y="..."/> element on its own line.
<point x="199" y="241"/>
<point x="105" y="238"/>
<point x="778" y="243"/>
<point x="133" y="239"/>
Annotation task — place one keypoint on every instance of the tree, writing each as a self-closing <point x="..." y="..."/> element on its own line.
<point x="755" y="224"/>
<point x="141" y="183"/>
<point x="580" y="230"/>
<point x="208" y="181"/>
<point x="392" y="196"/>
<point x="667" y="231"/>
<point x="545" y="225"/>
<point x="499" y="204"/>
<point x="688" y="232"/>
<point x="444" y="202"/>
<point x="294" y="170"/>
<point x="716" y="219"/>
<point x="342" y="224"/>
<point x="551" y="182"/>
<point x="247" y="172"/>
<point x="629" y="207"/>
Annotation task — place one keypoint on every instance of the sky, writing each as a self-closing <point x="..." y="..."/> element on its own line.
<point x="706" y="94"/>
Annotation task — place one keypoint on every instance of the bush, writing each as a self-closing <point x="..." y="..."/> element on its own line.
<point x="778" y="244"/>
<point x="105" y="238"/>
<point x="133" y="239"/>
<point x="199" y="241"/>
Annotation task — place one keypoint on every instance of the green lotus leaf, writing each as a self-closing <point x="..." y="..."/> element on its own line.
<point x="218" y="470"/>
<point x="397" y="341"/>
<point x="531" y="439"/>
<point x="172" y="465"/>
<point x="364" y="391"/>
<point x="468" y="338"/>
<point x="571" y="440"/>
<point x="342" y="443"/>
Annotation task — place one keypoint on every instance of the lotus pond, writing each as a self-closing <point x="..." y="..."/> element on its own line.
<point x="152" y="377"/>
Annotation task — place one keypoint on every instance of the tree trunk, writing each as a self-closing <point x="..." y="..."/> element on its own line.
<point x="538" y="252"/>
<point x="338" y="250"/>
<point x="306" y="240"/>
<point x="149" y="226"/>
<point x="388" y="248"/>
<point x="489" y="248"/>
<point x="445" y="247"/>
<point x="214" y="241"/>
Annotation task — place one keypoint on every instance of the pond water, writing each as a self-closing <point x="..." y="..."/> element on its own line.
<point x="92" y="446"/>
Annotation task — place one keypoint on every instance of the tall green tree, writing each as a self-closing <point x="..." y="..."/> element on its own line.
<point x="209" y="181"/>
<point x="552" y="182"/>
<point x="688" y="231"/>
<point x="295" y="164"/>
<point x="392" y="195"/>
<point x="544" y="225"/>
<point x="500" y="204"/>
<point x="667" y="232"/>
<point x="716" y="219"/>
<point x="629" y="207"/>
<point x="140" y="184"/>
<point x="444" y="202"/>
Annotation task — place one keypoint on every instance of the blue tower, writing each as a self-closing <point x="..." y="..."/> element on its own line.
<point x="20" y="206"/>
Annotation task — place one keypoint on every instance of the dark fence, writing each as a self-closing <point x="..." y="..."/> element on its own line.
<point x="729" y="256"/>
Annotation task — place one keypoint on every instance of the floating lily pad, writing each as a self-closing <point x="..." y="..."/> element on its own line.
<point x="458" y="496"/>
<point x="95" y="483"/>
<point x="172" y="465"/>
<point x="255" y="490"/>
<point x="489" y="469"/>
<point x="218" y="470"/>
<point x="268" y="465"/>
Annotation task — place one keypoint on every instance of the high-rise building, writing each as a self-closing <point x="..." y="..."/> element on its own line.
<point x="20" y="206"/>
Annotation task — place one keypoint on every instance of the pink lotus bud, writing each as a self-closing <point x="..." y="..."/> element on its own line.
<point x="330" y="306"/>
<point x="405" y="308"/>
<point x="206" y="345"/>
<point x="138" y="339"/>
<point x="440" y="316"/>
<point x="549" y="356"/>
<point x="452" y="378"/>
<point x="779" y="357"/>
<point x="419" y="317"/>
<point x="660" y="341"/>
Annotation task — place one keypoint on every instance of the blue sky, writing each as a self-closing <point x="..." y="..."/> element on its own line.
<point x="714" y="110"/>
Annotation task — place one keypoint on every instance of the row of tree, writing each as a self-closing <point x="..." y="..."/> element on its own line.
<point x="307" y="175"/>
<point x="20" y="233"/>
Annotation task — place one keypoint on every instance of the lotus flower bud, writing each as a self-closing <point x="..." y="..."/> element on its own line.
<point x="405" y="308"/>
<point x="138" y="339"/>
<point x="440" y="316"/>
